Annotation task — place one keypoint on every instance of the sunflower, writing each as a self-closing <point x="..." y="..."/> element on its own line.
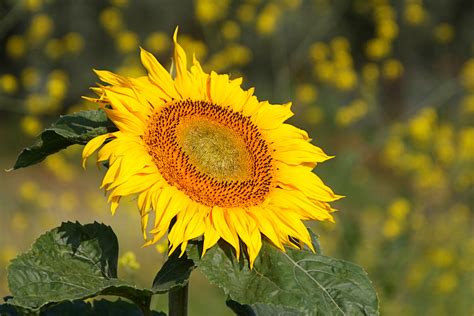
<point x="206" y="158"/>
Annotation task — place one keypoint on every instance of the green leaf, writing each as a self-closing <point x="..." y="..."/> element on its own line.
<point x="173" y="274"/>
<point x="298" y="279"/>
<point x="68" y="263"/>
<point x="96" y="307"/>
<point x="76" y="128"/>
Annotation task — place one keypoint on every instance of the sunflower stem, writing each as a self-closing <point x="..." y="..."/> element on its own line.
<point x="178" y="301"/>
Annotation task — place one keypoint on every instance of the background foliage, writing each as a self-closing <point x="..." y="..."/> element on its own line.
<point x="385" y="86"/>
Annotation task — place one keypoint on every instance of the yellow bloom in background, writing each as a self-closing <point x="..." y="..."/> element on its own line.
<point x="414" y="13"/>
<point x="200" y="149"/>
<point x="30" y="125"/>
<point x="392" y="69"/>
<point x="208" y="11"/>
<point x="8" y="84"/>
<point x="157" y="42"/>
<point x="16" y="46"/>
<point x="444" y="33"/>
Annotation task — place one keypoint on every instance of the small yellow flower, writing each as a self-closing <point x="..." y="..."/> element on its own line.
<point x="446" y="283"/>
<point x="399" y="209"/>
<point x="306" y="93"/>
<point x="414" y="14"/>
<point x="157" y="42"/>
<point x="111" y="20"/>
<point x="30" y="78"/>
<point x="267" y="19"/>
<point x="30" y="125"/>
<point x="129" y="260"/>
<point x="377" y="48"/>
<point x="392" y="69"/>
<point x="41" y="27"/>
<point x="230" y="30"/>
<point x="318" y="51"/>
<point x="208" y="11"/>
<point x="370" y="72"/>
<point x="127" y="41"/>
<point x="16" y="46"/>
<point x="73" y="42"/>
<point x="8" y="84"/>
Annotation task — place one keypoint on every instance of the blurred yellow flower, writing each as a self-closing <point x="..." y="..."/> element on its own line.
<point x="267" y="19"/>
<point x="73" y="42"/>
<point x="342" y="59"/>
<point x="465" y="150"/>
<point x="246" y="13"/>
<point x="29" y="190"/>
<point x="370" y="72"/>
<point x="314" y="115"/>
<point x="324" y="71"/>
<point x="339" y="44"/>
<point x="383" y="11"/>
<point x="392" y="69"/>
<point x="157" y="42"/>
<point x="414" y="13"/>
<point x="111" y="20"/>
<point x="422" y="125"/>
<point x="442" y="257"/>
<point x="444" y="33"/>
<point x="129" y="260"/>
<point x="56" y="88"/>
<point x="30" y="125"/>
<point x="444" y="144"/>
<point x="230" y="30"/>
<point x="467" y="104"/>
<point x="119" y="3"/>
<point x="41" y="27"/>
<point x="208" y="11"/>
<point x="61" y="169"/>
<point x="377" y="48"/>
<point x="45" y="200"/>
<point x="8" y="84"/>
<point x="54" y="48"/>
<point x="16" y="46"/>
<point x="391" y="228"/>
<point x="351" y="113"/>
<point x="446" y="283"/>
<point x="68" y="201"/>
<point x="399" y="208"/>
<point x="318" y="51"/>
<point x="30" y="78"/>
<point x="162" y="246"/>
<point x="306" y="93"/>
<point x="19" y="222"/>
<point x="127" y="41"/>
<point x="345" y="79"/>
<point x="387" y="29"/>
<point x="467" y="75"/>
<point x="33" y="5"/>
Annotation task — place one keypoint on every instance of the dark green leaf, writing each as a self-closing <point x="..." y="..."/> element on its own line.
<point x="96" y="307"/>
<point x="174" y="273"/>
<point x="310" y="283"/>
<point x="68" y="263"/>
<point x="77" y="128"/>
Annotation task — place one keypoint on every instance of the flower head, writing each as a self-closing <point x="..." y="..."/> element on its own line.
<point x="206" y="155"/>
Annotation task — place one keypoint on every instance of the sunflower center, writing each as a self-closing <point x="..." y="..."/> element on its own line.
<point x="215" y="155"/>
<point x="214" y="149"/>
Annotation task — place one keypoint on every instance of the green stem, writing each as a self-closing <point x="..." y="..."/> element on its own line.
<point x="178" y="302"/>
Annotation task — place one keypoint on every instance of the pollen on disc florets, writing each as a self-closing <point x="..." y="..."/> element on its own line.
<point x="215" y="155"/>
